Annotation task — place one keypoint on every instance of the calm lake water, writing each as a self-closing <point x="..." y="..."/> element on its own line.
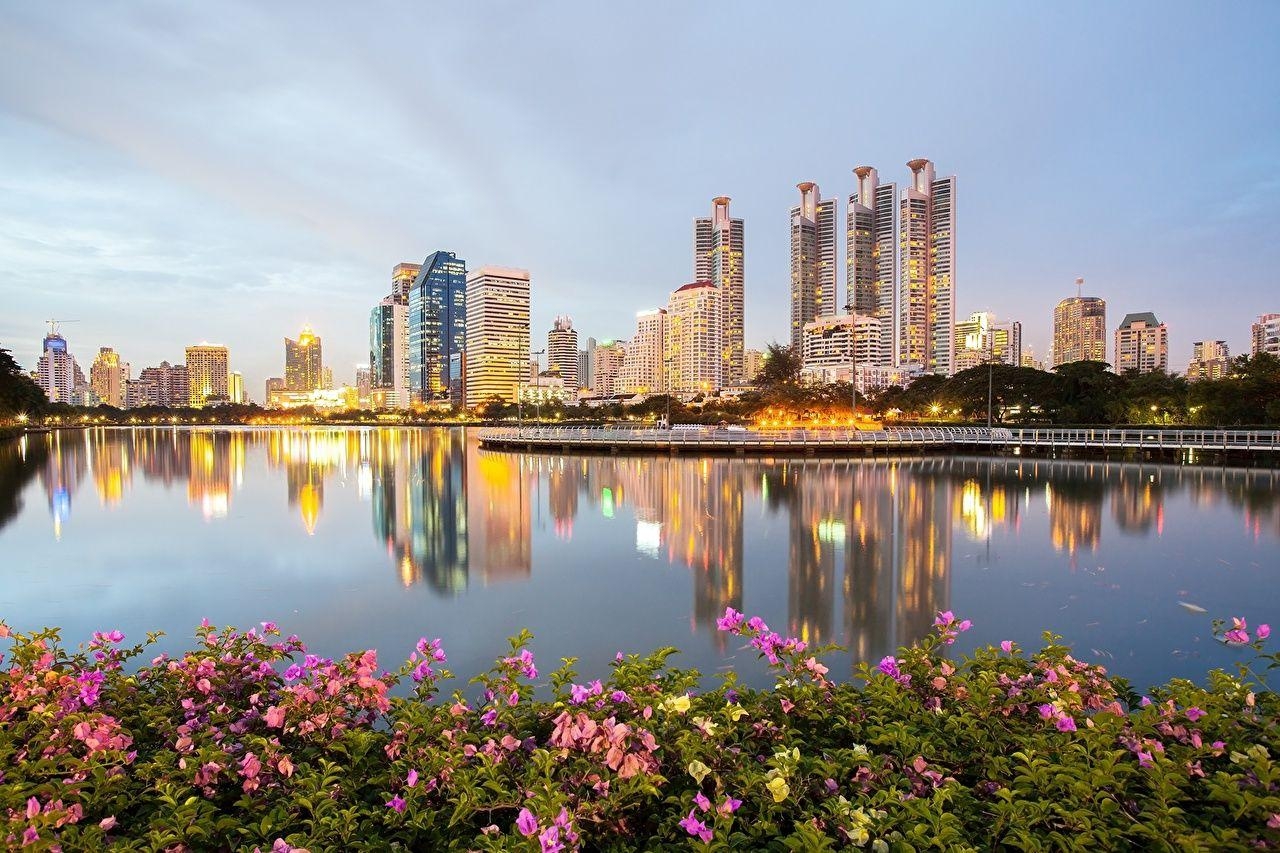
<point x="359" y="538"/>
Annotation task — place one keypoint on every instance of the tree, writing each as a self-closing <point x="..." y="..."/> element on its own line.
<point x="1089" y="393"/>
<point x="18" y="394"/>
<point x="781" y="367"/>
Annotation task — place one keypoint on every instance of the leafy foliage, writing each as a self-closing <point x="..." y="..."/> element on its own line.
<point x="18" y="393"/>
<point x="247" y="742"/>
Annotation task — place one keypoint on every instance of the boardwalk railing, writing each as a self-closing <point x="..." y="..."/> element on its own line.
<point x="712" y="438"/>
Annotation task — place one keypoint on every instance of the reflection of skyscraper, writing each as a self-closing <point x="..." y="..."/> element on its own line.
<point x="1075" y="511"/>
<point x="212" y="457"/>
<point x="111" y="468"/>
<point x="563" y="481"/>
<point x="924" y="548"/>
<point x="61" y="476"/>
<point x="1137" y="500"/>
<point x="499" y="514"/>
<point x="818" y="532"/>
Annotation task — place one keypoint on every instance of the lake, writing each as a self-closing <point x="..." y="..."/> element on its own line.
<point x="372" y="537"/>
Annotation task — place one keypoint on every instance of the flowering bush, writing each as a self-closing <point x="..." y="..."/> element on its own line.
<point x="247" y="742"/>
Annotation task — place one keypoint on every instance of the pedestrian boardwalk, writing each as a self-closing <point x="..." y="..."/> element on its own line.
<point x="721" y="439"/>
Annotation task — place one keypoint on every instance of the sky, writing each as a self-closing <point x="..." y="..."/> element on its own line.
<point x="178" y="173"/>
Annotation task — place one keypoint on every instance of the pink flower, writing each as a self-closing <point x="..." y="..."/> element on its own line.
<point x="411" y="779"/>
<point x="550" y="840"/>
<point x="33" y="807"/>
<point x="1006" y="646"/>
<point x="107" y="823"/>
<point x="1194" y="714"/>
<point x="693" y="826"/>
<point x="1273" y="822"/>
<point x="1046" y="711"/>
<point x="1264" y="631"/>
<point x="729" y="806"/>
<point x="274" y="716"/>
<point x="787" y="705"/>
<point x="701" y="802"/>
<point x="514" y="698"/>
<point x="396" y="804"/>
<point x="1066" y="724"/>
<point x="526" y="823"/>
<point x="30" y="836"/>
<point x="730" y="621"/>
<point x="1239" y="634"/>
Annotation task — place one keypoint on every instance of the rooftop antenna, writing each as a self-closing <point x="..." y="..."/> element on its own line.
<point x="1079" y="286"/>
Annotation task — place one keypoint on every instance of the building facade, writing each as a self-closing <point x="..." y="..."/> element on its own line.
<point x="813" y="260"/>
<point x="207" y="374"/>
<point x="437" y="329"/>
<point x="752" y="365"/>
<point x="498" y="334"/>
<point x="165" y="385"/>
<point x="108" y="375"/>
<point x="389" y="352"/>
<point x="607" y="360"/>
<point x="1142" y="344"/>
<point x="642" y="369"/>
<point x="926" y="270"/>
<point x="694" y="340"/>
<point x="57" y="372"/>
<point x="1080" y="330"/>
<point x="837" y="344"/>
<point x="562" y="351"/>
<point x="871" y="257"/>
<point x="235" y="387"/>
<point x="303" y="362"/>
<point x="1209" y="360"/>
<point x="1264" y="335"/>
<point x="718" y="245"/>
<point x="979" y="339"/>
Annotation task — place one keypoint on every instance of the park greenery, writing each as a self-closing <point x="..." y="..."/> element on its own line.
<point x="248" y="742"/>
<point x="1083" y="392"/>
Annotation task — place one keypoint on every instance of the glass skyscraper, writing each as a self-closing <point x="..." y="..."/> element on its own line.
<point x="437" y="328"/>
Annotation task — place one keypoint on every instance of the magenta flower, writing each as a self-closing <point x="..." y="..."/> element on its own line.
<point x="396" y="804"/>
<point x="1066" y="724"/>
<point x="107" y="823"/>
<point x="526" y="823"/>
<point x="701" y="802"/>
<point x="1264" y="631"/>
<point x="1194" y="714"/>
<point x="729" y="806"/>
<point x="693" y="826"/>
<point x="1046" y="711"/>
<point x="30" y="836"/>
<point x="730" y="621"/>
<point x="1006" y="646"/>
<point x="411" y="779"/>
<point x="1239" y="634"/>
<point x="550" y="840"/>
<point x="578" y="694"/>
<point x="889" y="666"/>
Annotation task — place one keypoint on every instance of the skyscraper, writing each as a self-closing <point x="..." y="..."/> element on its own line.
<point x="587" y="363"/>
<point x="1209" y="360"/>
<point x="980" y="339"/>
<point x="1264" y="335"/>
<point x="718" y="247"/>
<point x="813" y="260"/>
<point x="607" y="360"/>
<point x="642" y="366"/>
<point x="57" y="372"/>
<point x="927" y="258"/>
<point x="235" y="386"/>
<point x="693" y="339"/>
<point x="206" y="374"/>
<point x="835" y="346"/>
<point x="562" y="352"/>
<point x="303" y="365"/>
<point x="1142" y="344"/>
<point x="167" y="385"/>
<point x="437" y="324"/>
<point x="108" y="375"/>
<point x="871" y="256"/>
<point x="497" y="334"/>
<point x="1080" y="329"/>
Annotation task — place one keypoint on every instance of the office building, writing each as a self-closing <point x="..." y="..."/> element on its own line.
<point x="693" y="339"/>
<point x="871" y="257"/>
<point x="437" y="324"/>
<point x="835" y="346"/>
<point x="926" y="271"/>
<point x="1142" y="344"/>
<point x="752" y="364"/>
<point x="275" y="392"/>
<point x="164" y="385"/>
<point x="402" y="278"/>
<point x="57" y="372"/>
<point x="642" y="366"/>
<point x="718" y="243"/>
<point x="813" y="260"/>
<point x="562" y="351"/>
<point x="389" y="351"/>
<point x="364" y="385"/>
<point x="980" y="339"/>
<point x="1209" y="360"/>
<point x="1264" y="335"/>
<point x="303" y="364"/>
<point x="607" y="360"/>
<point x="1080" y="329"/>
<point x="207" y="374"/>
<point x="235" y="387"/>
<point x="497" y="341"/>
<point x="108" y="375"/>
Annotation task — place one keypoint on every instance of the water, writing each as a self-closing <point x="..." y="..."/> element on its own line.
<point x="358" y="538"/>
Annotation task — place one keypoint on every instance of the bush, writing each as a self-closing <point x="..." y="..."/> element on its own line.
<point x="247" y="742"/>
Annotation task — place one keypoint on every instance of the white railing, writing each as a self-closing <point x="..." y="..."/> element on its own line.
<point x="1102" y="438"/>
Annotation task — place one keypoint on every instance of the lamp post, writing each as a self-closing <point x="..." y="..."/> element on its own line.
<point x="990" y="382"/>
<point x="537" y="373"/>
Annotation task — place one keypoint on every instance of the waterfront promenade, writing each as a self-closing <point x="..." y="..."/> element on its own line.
<point x="1263" y="444"/>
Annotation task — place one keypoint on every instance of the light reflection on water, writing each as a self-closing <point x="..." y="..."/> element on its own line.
<point x="158" y="527"/>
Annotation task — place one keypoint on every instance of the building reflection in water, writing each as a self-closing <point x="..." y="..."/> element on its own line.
<point x="869" y="542"/>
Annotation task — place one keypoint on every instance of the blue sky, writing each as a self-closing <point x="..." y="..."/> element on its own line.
<point x="173" y="173"/>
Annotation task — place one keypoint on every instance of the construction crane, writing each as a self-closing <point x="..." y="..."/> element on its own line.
<point x="53" y="325"/>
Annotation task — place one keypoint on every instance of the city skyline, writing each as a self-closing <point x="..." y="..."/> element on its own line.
<point x="108" y="192"/>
